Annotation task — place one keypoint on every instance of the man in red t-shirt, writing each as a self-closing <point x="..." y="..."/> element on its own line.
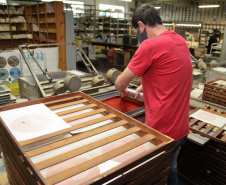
<point x="164" y="63"/>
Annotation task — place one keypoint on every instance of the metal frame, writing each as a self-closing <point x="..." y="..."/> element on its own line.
<point x="76" y="46"/>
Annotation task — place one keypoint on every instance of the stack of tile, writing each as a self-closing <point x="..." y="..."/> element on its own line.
<point x="5" y="96"/>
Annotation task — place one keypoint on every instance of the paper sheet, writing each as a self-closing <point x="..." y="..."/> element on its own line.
<point x="208" y="117"/>
<point x="32" y="121"/>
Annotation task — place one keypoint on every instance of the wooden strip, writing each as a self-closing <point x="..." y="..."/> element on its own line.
<point x="84" y="149"/>
<point x="68" y="104"/>
<point x="84" y="115"/>
<point x="75" y="138"/>
<point x="208" y="129"/>
<point x="62" y="100"/>
<point x="98" y="160"/>
<point x="224" y="138"/>
<point x="200" y="125"/>
<point x="192" y="122"/>
<point x="74" y="127"/>
<point x="75" y="109"/>
<point x="215" y="134"/>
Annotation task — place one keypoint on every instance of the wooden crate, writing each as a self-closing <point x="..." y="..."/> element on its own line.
<point x="215" y="92"/>
<point x="121" y="58"/>
<point x="205" y="164"/>
<point x="151" y="166"/>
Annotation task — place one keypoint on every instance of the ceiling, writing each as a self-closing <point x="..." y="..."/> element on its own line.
<point x="185" y="2"/>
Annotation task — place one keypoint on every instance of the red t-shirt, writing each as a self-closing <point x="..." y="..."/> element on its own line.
<point x="164" y="63"/>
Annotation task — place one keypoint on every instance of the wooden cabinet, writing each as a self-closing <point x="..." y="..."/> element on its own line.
<point x="45" y="21"/>
<point x="13" y="30"/>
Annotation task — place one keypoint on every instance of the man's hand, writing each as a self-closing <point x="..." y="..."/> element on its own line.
<point x="138" y="90"/>
<point x="123" y="81"/>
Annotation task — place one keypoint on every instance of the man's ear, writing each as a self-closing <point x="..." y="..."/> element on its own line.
<point x="141" y="25"/>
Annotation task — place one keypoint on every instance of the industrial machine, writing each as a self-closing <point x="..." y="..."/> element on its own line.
<point x="52" y="83"/>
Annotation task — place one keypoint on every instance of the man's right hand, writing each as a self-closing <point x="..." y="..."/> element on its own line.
<point x="138" y="90"/>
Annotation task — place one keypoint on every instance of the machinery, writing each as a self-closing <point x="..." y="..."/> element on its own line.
<point x="49" y="84"/>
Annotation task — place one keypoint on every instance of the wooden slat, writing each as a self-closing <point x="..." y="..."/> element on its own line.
<point x="75" y="138"/>
<point x="84" y="115"/>
<point x="224" y="138"/>
<point x="208" y="129"/>
<point x="98" y="160"/>
<point x="200" y="125"/>
<point x="89" y="147"/>
<point x="215" y="134"/>
<point x="193" y="122"/>
<point x="63" y="100"/>
<point x="68" y="104"/>
<point x="75" y="109"/>
<point x="74" y="127"/>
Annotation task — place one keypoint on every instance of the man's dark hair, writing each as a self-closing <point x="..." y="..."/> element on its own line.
<point x="146" y="14"/>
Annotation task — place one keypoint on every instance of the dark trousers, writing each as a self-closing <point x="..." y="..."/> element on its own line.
<point x="173" y="175"/>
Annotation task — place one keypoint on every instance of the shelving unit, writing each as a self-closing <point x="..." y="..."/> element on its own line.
<point x="99" y="22"/>
<point x="114" y="24"/>
<point x="13" y="30"/>
<point x="84" y="23"/>
<point x="45" y="21"/>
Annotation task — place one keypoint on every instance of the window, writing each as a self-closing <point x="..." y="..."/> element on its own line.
<point x="2" y="1"/>
<point x="115" y="10"/>
<point x="78" y="8"/>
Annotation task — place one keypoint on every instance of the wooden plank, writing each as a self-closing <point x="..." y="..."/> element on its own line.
<point x="215" y="134"/>
<point x="98" y="160"/>
<point x="84" y="149"/>
<point x="75" y="109"/>
<point x="68" y="104"/>
<point x="84" y="115"/>
<point x="74" y="127"/>
<point x="132" y="121"/>
<point x="60" y="33"/>
<point x="75" y="138"/>
<point x="149" y="169"/>
<point x="208" y="129"/>
<point x="224" y="138"/>
<point x="193" y="122"/>
<point x="200" y="125"/>
<point x="63" y="100"/>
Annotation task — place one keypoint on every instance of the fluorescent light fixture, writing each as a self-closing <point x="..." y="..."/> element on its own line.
<point x="47" y="0"/>
<point x="168" y="24"/>
<point x="192" y="25"/>
<point x="209" y="6"/>
<point x="126" y="0"/>
<point x="157" y="7"/>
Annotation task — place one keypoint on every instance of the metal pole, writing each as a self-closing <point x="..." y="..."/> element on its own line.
<point x="46" y="75"/>
<point x="32" y="72"/>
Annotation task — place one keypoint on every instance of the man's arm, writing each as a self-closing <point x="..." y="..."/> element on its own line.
<point x="123" y="81"/>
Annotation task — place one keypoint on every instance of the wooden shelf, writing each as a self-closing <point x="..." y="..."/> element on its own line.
<point x="46" y="23"/>
<point x="12" y="42"/>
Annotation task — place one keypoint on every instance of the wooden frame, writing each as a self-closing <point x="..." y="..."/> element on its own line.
<point x="139" y="169"/>
<point x="204" y="129"/>
<point x="215" y="93"/>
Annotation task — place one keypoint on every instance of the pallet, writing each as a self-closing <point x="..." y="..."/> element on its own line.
<point x="214" y="92"/>
<point x="25" y="165"/>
